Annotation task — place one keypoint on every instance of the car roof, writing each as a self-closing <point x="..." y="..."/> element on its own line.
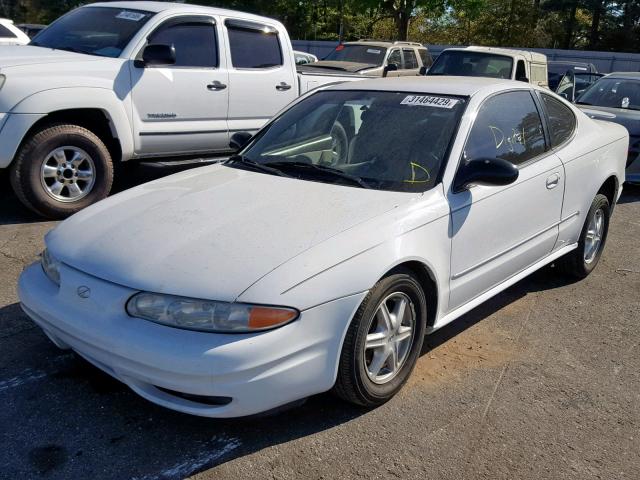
<point x="531" y="56"/>
<point x="158" y="7"/>
<point x="441" y="85"/>
<point x="383" y="43"/>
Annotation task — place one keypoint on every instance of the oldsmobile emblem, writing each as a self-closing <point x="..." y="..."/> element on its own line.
<point x="83" y="291"/>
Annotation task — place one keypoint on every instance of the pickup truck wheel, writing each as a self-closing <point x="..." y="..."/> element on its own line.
<point x="581" y="262"/>
<point x="383" y="342"/>
<point x="60" y="170"/>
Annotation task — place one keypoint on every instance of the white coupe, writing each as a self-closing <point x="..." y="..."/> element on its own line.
<point x="361" y="218"/>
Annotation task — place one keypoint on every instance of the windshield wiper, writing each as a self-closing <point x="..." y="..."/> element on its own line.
<point x="323" y="169"/>
<point x="256" y="166"/>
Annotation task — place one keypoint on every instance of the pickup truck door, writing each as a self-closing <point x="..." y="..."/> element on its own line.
<point x="262" y="73"/>
<point x="499" y="231"/>
<point x="182" y="108"/>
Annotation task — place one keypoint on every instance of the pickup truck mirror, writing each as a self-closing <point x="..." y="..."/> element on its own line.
<point x="156" y="55"/>
<point x="392" y="67"/>
<point x="423" y="70"/>
<point x="523" y="79"/>
<point x="485" y="171"/>
<point x="239" y="139"/>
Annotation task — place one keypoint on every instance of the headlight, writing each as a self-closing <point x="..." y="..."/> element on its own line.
<point x="208" y="315"/>
<point x="51" y="266"/>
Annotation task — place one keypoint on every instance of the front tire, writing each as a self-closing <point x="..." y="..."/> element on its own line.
<point x="60" y="170"/>
<point x="583" y="260"/>
<point x="383" y="342"/>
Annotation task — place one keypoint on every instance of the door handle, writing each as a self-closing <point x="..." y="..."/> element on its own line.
<point x="553" y="181"/>
<point x="283" y="86"/>
<point x="216" y="85"/>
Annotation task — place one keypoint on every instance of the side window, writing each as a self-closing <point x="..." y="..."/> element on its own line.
<point x="6" y="33"/>
<point x="425" y="56"/>
<point x="562" y="121"/>
<point x="253" y="45"/>
<point x="507" y="126"/>
<point x="195" y="43"/>
<point x="395" y="57"/>
<point x="410" y="60"/>
<point x="521" y="71"/>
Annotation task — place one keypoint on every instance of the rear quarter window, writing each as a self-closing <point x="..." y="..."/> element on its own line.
<point x="562" y="121"/>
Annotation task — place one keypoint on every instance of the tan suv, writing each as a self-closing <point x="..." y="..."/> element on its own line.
<point x="376" y="59"/>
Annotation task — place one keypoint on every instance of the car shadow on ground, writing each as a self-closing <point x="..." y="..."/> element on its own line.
<point x="81" y="420"/>
<point x="630" y="193"/>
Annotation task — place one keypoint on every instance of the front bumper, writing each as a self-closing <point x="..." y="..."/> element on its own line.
<point x="258" y="372"/>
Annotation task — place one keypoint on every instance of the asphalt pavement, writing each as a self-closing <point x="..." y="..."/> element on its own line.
<point x="541" y="382"/>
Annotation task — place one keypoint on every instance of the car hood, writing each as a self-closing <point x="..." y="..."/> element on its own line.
<point x="338" y="65"/>
<point x="210" y="232"/>
<point x="10" y="56"/>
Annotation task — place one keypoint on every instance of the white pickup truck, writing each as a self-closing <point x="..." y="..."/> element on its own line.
<point x="112" y="82"/>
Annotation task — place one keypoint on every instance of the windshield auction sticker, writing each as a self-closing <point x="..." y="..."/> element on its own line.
<point x="428" y="101"/>
<point x="134" y="16"/>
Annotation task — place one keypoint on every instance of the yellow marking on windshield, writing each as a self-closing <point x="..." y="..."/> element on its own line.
<point x="415" y="166"/>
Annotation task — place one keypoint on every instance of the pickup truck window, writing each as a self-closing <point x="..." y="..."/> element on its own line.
<point x="101" y="31"/>
<point x="385" y="140"/>
<point x="369" y="54"/>
<point x="508" y="126"/>
<point x="195" y="43"/>
<point x="253" y="47"/>
<point x="472" y="64"/>
<point x="425" y="56"/>
<point x="395" y="57"/>
<point x="410" y="60"/>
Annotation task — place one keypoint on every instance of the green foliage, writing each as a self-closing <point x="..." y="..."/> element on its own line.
<point x="592" y="24"/>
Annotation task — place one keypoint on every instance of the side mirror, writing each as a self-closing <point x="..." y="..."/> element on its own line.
<point x="156" y="55"/>
<point x="392" y="67"/>
<point x="239" y="139"/>
<point x="485" y="171"/>
<point x="423" y="70"/>
<point x="523" y="79"/>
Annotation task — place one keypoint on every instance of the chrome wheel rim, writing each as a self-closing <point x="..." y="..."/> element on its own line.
<point x="593" y="239"/>
<point x="68" y="174"/>
<point x="389" y="338"/>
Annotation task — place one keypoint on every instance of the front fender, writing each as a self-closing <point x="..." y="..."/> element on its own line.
<point x="46" y="102"/>
<point x="353" y="261"/>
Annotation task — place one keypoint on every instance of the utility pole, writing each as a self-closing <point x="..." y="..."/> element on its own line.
<point x="341" y="33"/>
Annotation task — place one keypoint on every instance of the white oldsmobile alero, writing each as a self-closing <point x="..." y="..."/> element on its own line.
<point x="361" y="218"/>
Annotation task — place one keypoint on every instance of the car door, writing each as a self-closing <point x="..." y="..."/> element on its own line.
<point x="262" y="79"/>
<point x="498" y="231"/>
<point x="182" y="108"/>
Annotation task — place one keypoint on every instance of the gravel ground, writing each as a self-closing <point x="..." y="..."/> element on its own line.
<point x="540" y="382"/>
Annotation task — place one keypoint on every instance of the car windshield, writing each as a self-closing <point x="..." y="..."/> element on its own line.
<point x="370" y="139"/>
<point x="613" y="92"/>
<point x="368" y="54"/>
<point x="472" y="64"/>
<point x="102" y="31"/>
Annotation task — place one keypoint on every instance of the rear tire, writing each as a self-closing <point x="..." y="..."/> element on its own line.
<point x="376" y="361"/>
<point x="60" y="170"/>
<point x="583" y="260"/>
